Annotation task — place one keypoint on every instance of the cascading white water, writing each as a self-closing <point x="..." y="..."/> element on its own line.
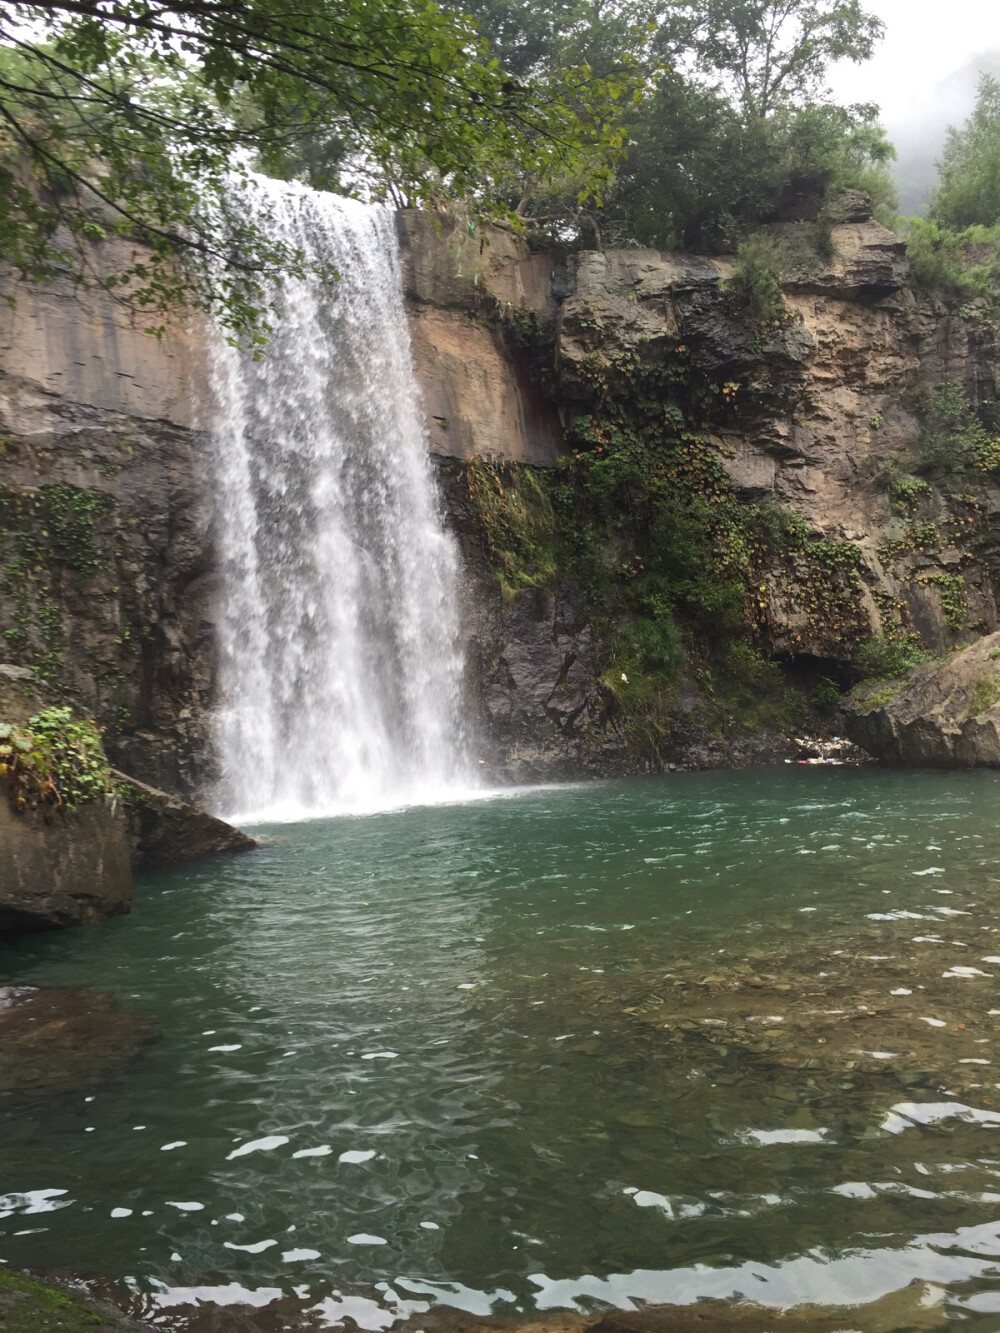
<point x="338" y="633"/>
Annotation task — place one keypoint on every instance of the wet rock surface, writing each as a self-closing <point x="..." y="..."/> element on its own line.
<point x="942" y="715"/>
<point x="63" y="868"/>
<point x="163" y="830"/>
<point x="63" y="1038"/>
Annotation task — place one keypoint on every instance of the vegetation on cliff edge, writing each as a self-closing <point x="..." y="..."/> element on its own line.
<point x="54" y="762"/>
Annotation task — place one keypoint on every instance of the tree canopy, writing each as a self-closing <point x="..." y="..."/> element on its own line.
<point x="129" y="117"/>
<point x="668" y="122"/>
<point x="736" y="127"/>
<point x="770" y="54"/>
<point x="969" y="191"/>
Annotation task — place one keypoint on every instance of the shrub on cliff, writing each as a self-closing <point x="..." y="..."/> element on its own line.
<point x="754" y="290"/>
<point x="885" y="659"/>
<point x="56" y="761"/>
<point x="953" y="439"/>
<point x="954" y="263"/>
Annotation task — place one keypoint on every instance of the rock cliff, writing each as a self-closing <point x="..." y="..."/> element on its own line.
<point x="680" y="523"/>
<point x="798" y="445"/>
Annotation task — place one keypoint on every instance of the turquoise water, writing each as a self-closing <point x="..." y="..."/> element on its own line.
<point x="560" y="1048"/>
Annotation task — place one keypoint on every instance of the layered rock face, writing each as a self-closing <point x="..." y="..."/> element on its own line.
<point x="107" y="582"/>
<point x="944" y="715"/>
<point x="105" y="565"/>
<point x="821" y="415"/>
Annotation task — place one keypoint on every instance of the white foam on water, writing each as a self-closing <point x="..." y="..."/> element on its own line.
<point x="767" y="1137"/>
<point x="908" y="1115"/>
<point x="266" y="1144"/>
<point x="33" y="1201"/>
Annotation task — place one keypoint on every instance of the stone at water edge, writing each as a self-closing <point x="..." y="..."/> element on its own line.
<point x="163" y="830"/>
<point x="913" y="1309"/>
<point x="62" y="868"/>
<point x="57" y="867"/>
<point x="940" y="715"/>
<point x="28" y="1305"/>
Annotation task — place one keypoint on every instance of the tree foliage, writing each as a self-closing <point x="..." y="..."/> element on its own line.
<point x="126" y="118"/>
<point x="769" y="54"/>
<point x="734" y="129"/>
<point x="701" y="176"/>
<point x="667" y="122"/>
<point x="969" y="191"/>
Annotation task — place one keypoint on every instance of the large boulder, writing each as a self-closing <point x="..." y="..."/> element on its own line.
<point x="944" y="714"/>
<point x="63" y="868"/>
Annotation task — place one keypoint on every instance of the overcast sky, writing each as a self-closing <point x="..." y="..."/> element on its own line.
<point x="924" y="77"/>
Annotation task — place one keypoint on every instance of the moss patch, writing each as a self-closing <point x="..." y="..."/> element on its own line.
<point x="30" y="1306"/>
<point x="45" y="535"/>
<point x="867" y="701"/>
<point x="984" y="696"/>
<point x="517" y="524"/>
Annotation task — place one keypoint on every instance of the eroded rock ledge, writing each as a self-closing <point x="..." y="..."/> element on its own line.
<point x="945" y="714"/>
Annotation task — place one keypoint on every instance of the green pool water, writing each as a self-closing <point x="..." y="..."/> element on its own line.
<point x="651" y="1040"/>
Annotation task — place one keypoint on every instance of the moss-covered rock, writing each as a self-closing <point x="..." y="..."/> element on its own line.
<point x="944" y="714"/>
<point x="63" y="839"/>
<point x="28" y="1305"/>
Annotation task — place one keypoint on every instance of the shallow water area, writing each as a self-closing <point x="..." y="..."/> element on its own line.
<point x="708" y="1035"/>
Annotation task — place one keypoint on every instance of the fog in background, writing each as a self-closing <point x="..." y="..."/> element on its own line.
<point x="924" y="77"/>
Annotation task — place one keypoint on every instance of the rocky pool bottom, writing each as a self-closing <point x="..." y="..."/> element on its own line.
<point x="536" y="1059"/>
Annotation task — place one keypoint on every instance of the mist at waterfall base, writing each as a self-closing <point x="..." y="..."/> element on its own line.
<point x="339" y="656"/>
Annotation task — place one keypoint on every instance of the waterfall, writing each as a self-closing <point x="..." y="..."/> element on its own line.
<point x="339" y="655"/>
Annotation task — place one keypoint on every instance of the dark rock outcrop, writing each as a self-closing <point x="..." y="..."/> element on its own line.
<point x="163" y="830"/>
<point x="943" y="715"/>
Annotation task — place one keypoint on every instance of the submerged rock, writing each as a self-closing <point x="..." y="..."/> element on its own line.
<point x="943" y="714"/>
<point x="164" y="830"/>
<point x="62" y="1038"/>
<point x="919" y="1306"/>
